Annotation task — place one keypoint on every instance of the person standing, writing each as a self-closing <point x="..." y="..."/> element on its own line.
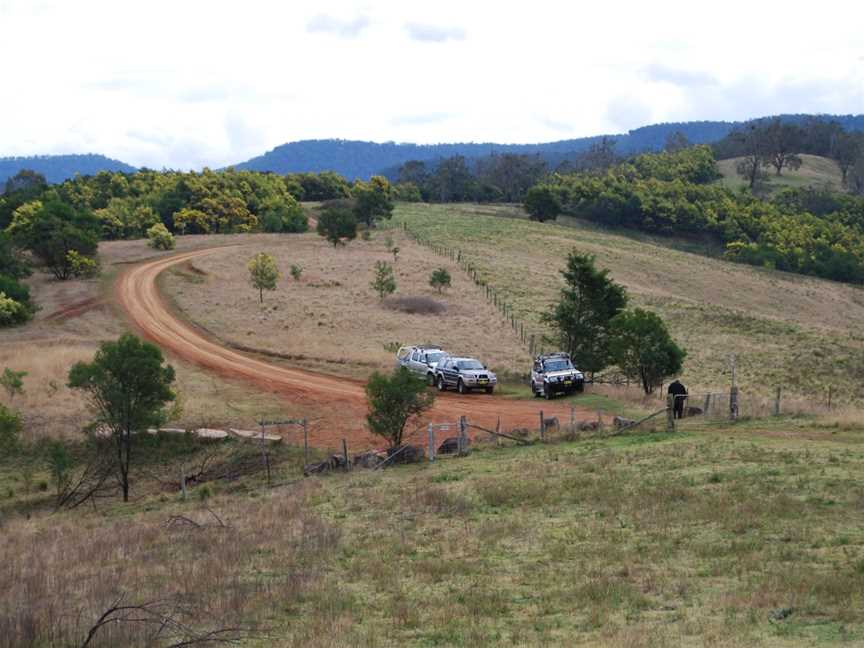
<point x="679" y="391"/>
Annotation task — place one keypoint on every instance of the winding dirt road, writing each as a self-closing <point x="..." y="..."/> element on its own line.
<point x="340" y="402"/>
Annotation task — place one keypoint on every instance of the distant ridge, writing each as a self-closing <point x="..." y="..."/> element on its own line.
<point x="57" y="168"/>
<point x="361" y="159"/>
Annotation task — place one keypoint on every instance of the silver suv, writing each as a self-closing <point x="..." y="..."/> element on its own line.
<point x="421" y="360"/>
<point x="464" y="374"/>
<point x="555" y="374"/>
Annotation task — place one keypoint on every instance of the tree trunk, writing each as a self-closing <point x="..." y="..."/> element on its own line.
<point x="261" y="295"/>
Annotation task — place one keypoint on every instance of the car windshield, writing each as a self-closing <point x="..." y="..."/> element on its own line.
<point x="433" y="357"/>
<point x="557" y="365"/>
<point x="470" y="364"/>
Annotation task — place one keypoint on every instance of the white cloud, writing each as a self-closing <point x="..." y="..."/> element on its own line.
<point x="434" y="33"/>
<point x="212" y="82"/>
<point x="341" y="27"/>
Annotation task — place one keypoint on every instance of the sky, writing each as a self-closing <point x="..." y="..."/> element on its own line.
<point x="189" y="83"/>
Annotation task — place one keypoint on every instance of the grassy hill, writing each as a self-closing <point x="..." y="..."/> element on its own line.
<point x="800" y="333"/>
<point x="815" y="171"/>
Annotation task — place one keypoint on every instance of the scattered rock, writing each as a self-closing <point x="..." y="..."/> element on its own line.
<point x="406" y="454"/>
<point x="210" y="433"/>
<point x="370" y="459"/>
<point x="621" y="422"/>
<point x="781" y="613"/>
<point x="588" y="426"/>
<point x="692" y="410"/>
<point x="451" y="445"/>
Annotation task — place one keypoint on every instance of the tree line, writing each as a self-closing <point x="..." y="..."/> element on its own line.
<point x="808" y="231"/>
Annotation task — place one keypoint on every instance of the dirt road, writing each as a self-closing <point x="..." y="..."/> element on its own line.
<point x="340" y="402"/>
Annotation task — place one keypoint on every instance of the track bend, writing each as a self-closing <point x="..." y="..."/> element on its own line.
<point x="339" y="403"/>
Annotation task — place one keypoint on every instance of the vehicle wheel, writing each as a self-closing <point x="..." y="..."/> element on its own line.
<point x="580" y="388"/>
<point x="460" y="387"/>
<point x="430" y="379"/>
<point x="547" y="393"/>
<point x="441" y="386"/>
<point x="489" y="390"/>
<point x="534" y="390"/>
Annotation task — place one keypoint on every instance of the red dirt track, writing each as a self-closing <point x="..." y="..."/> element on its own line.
<point x="340" y="403"/>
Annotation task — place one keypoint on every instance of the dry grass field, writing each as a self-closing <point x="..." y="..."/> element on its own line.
<point x="718" y="537"/>
<point x="331" y="320"/>
<point x="801" y="333"/>
<point x="815" y="171"/>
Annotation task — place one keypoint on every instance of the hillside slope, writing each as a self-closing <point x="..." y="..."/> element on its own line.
<point x="801" y="333"/>
<point x="815" y="171"/>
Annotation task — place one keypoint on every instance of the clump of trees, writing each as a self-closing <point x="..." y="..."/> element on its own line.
<point x="394" y="400"/>
<point x="263" y="273"/>
<point x="672" y="194"/>
<point x="593" y="327"/>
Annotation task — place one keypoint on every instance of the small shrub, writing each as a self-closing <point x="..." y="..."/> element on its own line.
<point x="415" y="305"/>
<point x="204" y="493"/>
<point x="384" y="282"/>
<point x="440" y="279"/>
<point x="10" y="429"/>
<point x="366" y="235"/>
<point x="13" y="382"/>
<point x="160" y="238"/>
<point x="43" y="485"/>
<point x="392" y="347"/>
<point x="296" y="272"/>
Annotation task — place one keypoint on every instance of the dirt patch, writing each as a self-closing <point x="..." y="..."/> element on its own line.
<point x="76" y="309"/>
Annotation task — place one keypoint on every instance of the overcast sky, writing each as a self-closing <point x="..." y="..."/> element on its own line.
<point x="188" y="83"/>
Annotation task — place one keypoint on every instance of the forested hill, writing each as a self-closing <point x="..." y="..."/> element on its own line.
<point x="57" y="168"/>
<point x="358" y="159"/>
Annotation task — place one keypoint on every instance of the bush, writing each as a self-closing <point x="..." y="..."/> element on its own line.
<point x="285" y="218"/>
<point x="440" y="279"/>
<point x="384" y="282"/>
<point x="393" y="401"/>
<point x="296" y="272"/>
<point x="12" y="312"/>
<point x="83" y="267"/>
<point x="160" y="238"/>
<point x="13" y="289"/>
<point x="10" y="429"/>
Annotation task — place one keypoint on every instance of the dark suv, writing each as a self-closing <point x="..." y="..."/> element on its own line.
<point x="464" y="374"/>
<point x="555" y="374"/>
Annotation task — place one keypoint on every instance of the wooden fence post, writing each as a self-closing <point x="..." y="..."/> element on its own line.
<point x="733" y="403"/>
<point x="345" y="454"/>
<point x="431" y="443"/>
<point x="830" y="390"/>
<point x="498" y="429"/>
<point x="670" y="413"/>
<point x="542" y="427"/>
<point x="777" y="403"/>
<point x="305" y="442"/>
<point x="707" y="407"/>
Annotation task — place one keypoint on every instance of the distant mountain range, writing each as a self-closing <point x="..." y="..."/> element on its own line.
<point x="57" y="168"/>
<point x="359" y="159"/>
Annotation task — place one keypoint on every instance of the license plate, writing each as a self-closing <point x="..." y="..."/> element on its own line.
<point x="483" y="381"/>
<point x="568" y="382"/>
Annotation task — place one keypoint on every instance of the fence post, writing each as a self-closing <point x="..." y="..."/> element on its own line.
<point x="670" y="413"/>
<point x="777" y="403"/>
<point x="542" y="427"/>
<point x="707" y="404"/>
<point x="498" y="429"/>
<point x="733" y="403"/>
<point x="305" y="443"/>
<point x="431" y="443"/>
<point x="572" y="419"/>
<point x="531" y="346"/>
<point x="830" y="390"/>
<point x="183" y="481"/>
<point x="345" y="454"/>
